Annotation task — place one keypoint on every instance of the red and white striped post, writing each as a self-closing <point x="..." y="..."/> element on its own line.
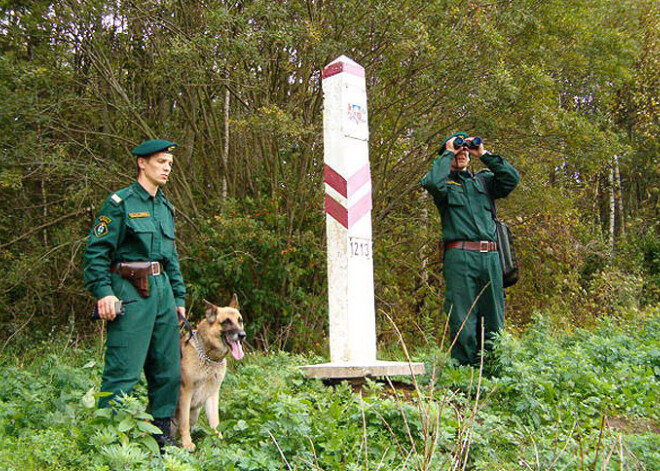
<point x="348" y="225"/>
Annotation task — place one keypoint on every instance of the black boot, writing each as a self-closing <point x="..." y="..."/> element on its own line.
<point x="163" y="439"/>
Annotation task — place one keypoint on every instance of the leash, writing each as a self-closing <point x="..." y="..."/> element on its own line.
<point x="191" y="333"/>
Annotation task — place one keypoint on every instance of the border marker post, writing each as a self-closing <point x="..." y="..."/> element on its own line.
<point x="348" y="207"/>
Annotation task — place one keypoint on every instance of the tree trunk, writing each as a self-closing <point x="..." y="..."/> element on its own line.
<point x="595" y="208"/>
<point x="619" y="199"/>
<point x="225" y="150"/>
<point x="424" y="274"/>
<point x="422" y="254"/>
<point x="45" y="211"/>
<point x="612" y="208"/>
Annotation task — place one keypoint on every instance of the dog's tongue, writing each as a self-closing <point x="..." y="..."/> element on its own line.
<point x="236" y="350"/>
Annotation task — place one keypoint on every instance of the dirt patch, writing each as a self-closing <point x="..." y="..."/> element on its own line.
<point x="632" y="425"/>
<point x="405" y="391"/>
<point x="395" y="389"/>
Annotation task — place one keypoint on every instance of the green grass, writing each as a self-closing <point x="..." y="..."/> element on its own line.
<point x="584" y="400"/>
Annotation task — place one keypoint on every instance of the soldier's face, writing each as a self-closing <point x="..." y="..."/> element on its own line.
<point x="156" y="169"/>
<point x="461" y="160"/>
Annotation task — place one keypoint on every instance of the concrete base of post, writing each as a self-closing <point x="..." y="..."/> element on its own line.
<point x="376" y="368"/>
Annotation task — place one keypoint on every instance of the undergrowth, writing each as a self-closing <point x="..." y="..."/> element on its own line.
<point x="582" y="400"/>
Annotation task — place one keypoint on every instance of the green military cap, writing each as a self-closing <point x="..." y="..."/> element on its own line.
<point x="153" y="146"/>
<point x="456" y="134"/>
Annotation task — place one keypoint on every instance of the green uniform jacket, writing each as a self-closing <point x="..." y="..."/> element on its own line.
<point x="132" y="226"/>
<point x="463" y="201"/>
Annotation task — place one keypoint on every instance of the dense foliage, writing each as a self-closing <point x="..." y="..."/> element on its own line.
<point x="566" y="89"/>
<point x="580" y="401"/>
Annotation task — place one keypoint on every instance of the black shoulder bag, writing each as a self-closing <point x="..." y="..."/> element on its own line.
<point x="510" y="271"/>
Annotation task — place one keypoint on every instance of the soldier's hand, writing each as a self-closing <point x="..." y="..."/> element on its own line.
<point x="479" y="151"/>
<point x="181" y="311"/>
<point x="449" y="145"/>
<point x="106" y="307"/>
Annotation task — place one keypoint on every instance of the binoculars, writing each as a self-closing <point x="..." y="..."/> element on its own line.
<point x="473" y="143"/>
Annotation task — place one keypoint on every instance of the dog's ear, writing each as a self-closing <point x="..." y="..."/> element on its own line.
<point x="234" y="301"/>
<point x="208" y="305"/>
<point x="211" y="311"/>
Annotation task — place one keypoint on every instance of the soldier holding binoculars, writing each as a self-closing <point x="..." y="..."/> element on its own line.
<point x="472" y="268"/>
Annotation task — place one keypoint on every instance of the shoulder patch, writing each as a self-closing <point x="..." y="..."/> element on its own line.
<point x="120" y="196"/>
<point x="101" y="227"/>
<point x="449" y="182"/>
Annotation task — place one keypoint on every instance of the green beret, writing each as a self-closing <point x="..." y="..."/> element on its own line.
<point x="153" y="146"/>
<point x="456" y="134"/>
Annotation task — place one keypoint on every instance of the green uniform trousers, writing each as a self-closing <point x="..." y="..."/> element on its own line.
<point x="145" y="338"/>
<point x="467" y="273"/>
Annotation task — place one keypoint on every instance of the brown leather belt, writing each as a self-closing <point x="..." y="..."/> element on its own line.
<point x="136" y="269"/>
<point x="479" y="246"/>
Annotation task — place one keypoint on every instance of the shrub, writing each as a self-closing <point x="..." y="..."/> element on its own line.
<point x="280" y="278"/>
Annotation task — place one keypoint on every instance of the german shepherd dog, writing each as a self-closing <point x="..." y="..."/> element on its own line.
<point x="203" y="366"/>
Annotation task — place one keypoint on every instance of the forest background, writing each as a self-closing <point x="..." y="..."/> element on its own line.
<point x="568" y="91"/>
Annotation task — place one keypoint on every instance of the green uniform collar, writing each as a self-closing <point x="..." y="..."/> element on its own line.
<point x="144" y="194"/>
<point x="462" y="174"/>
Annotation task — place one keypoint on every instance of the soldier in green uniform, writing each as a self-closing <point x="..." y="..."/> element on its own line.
<point x="131" y="255"/>
<point x="472" y="269"/>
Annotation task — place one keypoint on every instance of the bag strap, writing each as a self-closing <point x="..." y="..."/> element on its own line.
<point x="482" y="179"/>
